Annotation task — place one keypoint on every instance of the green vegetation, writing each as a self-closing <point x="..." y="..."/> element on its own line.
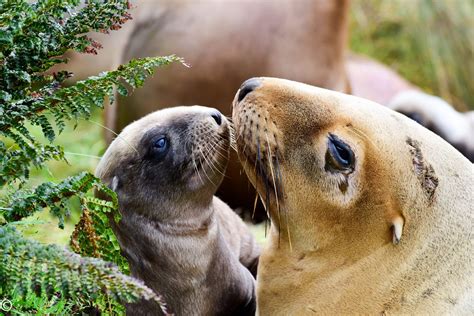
<point x="34" y="109"/>
<point x="429" y="42"/>
<point x="39" y="274"/>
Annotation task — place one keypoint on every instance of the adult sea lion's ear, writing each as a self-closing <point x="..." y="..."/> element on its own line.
<point x="397" y="229"/>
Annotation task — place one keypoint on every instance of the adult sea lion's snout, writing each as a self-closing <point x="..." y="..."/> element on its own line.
<point x="257" y="137"/>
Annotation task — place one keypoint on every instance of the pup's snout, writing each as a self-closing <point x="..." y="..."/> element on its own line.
<point x="217" y="116"/>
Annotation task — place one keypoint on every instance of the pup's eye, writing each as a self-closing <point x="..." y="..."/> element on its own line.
<point x="339" y="155"/>
<point x="160" y="147"/>
<point x="160" y="144"/>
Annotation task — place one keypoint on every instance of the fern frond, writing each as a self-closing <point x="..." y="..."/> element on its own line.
<point x="30" y="267"/>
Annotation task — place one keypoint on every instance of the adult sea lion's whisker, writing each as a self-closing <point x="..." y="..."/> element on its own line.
<point x="263" y="176"/>
<point x="269" y="163"/>
<point x="361" y="134"/>
<point x="279" y="187"/>
<point x="255" y="204"/>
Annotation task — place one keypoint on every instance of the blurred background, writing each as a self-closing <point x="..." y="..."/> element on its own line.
<point x="429" y="43"/>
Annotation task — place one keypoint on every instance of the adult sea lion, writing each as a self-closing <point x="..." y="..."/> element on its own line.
<point x="370" y="212"/>
<point x="439" y="117"/>
<point x="180" y="239"/>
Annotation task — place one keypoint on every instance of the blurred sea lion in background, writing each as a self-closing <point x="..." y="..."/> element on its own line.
<point x="226" y="42"/>
<point x="181" y="240"/>
<point x="374" y="81"/>
<point x="439" y="117"/>
<point x="371" y="213"/>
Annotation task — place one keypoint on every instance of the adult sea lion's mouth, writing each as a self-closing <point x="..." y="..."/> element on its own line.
<point x="266" y="172"/>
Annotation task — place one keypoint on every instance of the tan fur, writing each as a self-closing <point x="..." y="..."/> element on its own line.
<point x="394" y="236"/>
<point x="182" y="241"/>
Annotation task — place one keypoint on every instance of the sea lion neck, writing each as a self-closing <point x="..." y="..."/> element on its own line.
<point x="347" y="238"/>
<point x="168" y="207"/>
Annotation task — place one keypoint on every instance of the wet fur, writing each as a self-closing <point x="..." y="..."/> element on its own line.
<point x="396" y="237"/>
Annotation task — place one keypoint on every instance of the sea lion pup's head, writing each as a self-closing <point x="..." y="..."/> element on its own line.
<point x="167" y="161"/>
<point x="439" y="117"/>
<point x="335" y="169"/>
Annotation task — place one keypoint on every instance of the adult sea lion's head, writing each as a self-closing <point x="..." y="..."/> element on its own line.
<point x="168" y="160"/>
<point x="335" y="170"/>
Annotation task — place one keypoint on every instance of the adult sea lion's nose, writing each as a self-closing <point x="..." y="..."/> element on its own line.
<point x="247" y="87"/>
<point x="217" y="116"/>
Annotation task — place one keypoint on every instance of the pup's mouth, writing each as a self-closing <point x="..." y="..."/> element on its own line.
<point x="209" y="155"/>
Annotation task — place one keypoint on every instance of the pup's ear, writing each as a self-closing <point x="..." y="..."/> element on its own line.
<point x="114" y="184"/>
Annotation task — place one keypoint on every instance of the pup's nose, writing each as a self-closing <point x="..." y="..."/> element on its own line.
<point x="217" y="116"/>
<point x="247" y="87"/>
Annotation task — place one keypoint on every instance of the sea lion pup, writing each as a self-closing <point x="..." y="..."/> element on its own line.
<point x="180" y="239"/>
<point x="370" y="212"/>
<point x="439" y="117"/>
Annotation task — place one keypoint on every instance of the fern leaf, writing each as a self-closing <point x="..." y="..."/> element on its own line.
<point x="32" y="268"/>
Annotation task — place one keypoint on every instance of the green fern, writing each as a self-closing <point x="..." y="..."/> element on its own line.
<point x="34" y="269"/>
<point x="44" y="305"/>
<point x="46" y="278"/>
<point x="67" y="103"/>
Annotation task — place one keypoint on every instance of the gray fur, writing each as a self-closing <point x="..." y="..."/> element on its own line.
<point x="183" y="242"/>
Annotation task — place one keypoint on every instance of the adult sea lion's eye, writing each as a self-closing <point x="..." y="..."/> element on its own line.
<point x="339" y="155"/>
